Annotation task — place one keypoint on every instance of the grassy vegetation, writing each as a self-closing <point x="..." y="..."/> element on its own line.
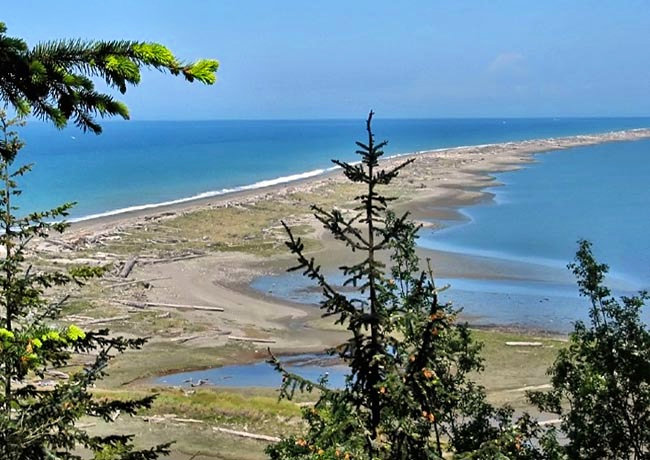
<point x="507" y="371"/>
<point x="258" y="411"/>
<point x="251" y="227"/>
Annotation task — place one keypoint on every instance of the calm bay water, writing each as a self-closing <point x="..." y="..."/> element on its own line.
<point x="600" y="193"/>
<point x="144" y="163"/>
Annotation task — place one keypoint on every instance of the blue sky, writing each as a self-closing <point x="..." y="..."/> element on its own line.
<point x="336" y="59"/>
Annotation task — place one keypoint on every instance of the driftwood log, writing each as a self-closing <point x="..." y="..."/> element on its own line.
<point x="249" y="339"/>
<point x="246" y="434"/>
<point x="524" y="344"/>
<point x="106" y="320"/>
<point x="136" y="304"/>
<point x="128" y="266"/>
<point x="127" y="283"/>
<point x="185" y="338"/>
<point x="174" y="259"/>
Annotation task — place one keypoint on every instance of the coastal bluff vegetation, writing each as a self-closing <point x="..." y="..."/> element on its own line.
<point x="93" y="313"/>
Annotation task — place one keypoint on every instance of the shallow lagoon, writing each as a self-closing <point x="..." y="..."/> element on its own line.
<point x="600" y="193"/>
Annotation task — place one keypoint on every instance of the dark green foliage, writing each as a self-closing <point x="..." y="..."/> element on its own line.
<point x="408" y="395"/>
<point x="54" y="79"/>
<point x="39" y="422"/>
<point x="601" y="382"/>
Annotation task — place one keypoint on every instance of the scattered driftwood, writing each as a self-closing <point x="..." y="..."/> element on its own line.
<point x="250" y="339"/>
<point x="61" y="243"/>
<point x="83" y="426"/>
<point x="187" y="420"/>
<point x="187" y="338"/>
<point x="127" y="283"/>
<point x="169" y="418"/>
<point x="524" y="344"/>
<point x="128" y="266"/>
<point x="246" y="434"/>
<point x="78" y="318"/>
<point x="169" y="305"/>
<point x="106" y="320"/>
<point x="57" y="374"/>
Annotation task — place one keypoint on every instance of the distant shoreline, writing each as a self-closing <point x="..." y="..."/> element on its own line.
<point x="276" y="185"/>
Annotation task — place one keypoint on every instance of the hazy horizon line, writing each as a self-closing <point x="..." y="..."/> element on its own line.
<point x="194" y="120"/>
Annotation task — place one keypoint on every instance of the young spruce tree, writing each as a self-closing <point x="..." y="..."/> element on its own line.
<point x="408" y="394"/>
<point x="601" y="381"/>
<point x="41" y="422"/>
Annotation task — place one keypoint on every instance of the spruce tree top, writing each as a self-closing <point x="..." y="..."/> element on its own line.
<point x="53" y="79"/>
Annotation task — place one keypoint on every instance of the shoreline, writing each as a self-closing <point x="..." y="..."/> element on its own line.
<point x="277" y="185"/>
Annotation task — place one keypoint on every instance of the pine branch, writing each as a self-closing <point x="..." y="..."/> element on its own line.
<point x="54" y="78"/>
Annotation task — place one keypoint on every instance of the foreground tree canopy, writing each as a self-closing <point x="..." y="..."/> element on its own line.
<point x="601" y="381"/>
<point x="54" y="80"/>
<point x="39" y="416"/>
<point x="409" y="394"/>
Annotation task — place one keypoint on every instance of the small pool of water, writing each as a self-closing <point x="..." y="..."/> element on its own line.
<point x="262" y="374"/>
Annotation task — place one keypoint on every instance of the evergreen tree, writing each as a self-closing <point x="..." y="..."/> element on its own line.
<point x="53" y="80"/>
<point x="601" y="381"/>
<point x="408" y="394"/>
<point x="41" y="422"/>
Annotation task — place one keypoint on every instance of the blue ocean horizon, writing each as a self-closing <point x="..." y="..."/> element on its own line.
<point x="142" y="164"/>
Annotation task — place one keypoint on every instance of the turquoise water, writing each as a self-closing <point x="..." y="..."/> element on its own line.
<point x="136" y="164"/>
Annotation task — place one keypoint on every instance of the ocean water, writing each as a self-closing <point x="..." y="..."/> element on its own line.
<point x="139" y="164"/>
